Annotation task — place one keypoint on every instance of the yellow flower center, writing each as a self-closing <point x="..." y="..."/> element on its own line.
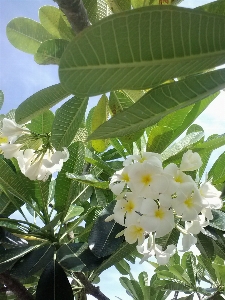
<point x="139" y="230"/>
<point x="125" y="177"/>
<point x="189" y="202"/>
<point x="141" y="160"/>
<point x="3" y="139"/>
<point x="159" y="213"/>
<point x="129" y="206"/>
<point x="178" y="179"/>
<point x="146" y="179"/>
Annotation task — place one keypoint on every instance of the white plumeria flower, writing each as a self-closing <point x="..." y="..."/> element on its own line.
<point x="147" y="180"/>
<point x="211" y="196"/>
<point x="133" y="233"/>
<point x="11" y="129"/>
<point x="188" y="202"/>
<point x="191" y="161"/>
<point x="177" y="179"/>
<point x="152" y="157"/>
<point x="150" y="248"/>
<point x="188" y="240"/>
<point x="119" y="180"/>
<point x="10" y="150"/>
<point x="154" y="218"/>
<point x="125" y="210"/>
<point x="197" y="225"/>
<point x="40" y="167"/>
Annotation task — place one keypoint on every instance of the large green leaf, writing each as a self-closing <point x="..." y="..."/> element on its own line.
<point x="13" y="183"/>
<point x="54" y="284"/>
<point x="32" y="262"/>
<point x="133" y="287"/>
<point x="50" y="52"/>
<point x="217" y="7"/>
<point x="40" y="102"/>
<point x="102" y="240"/>
<point x="96" y="62"/>
<point x="67" y="190"/>
<point x="67" y="121"/>
<point x="218" y="220"/>
<point x="161" y="101"/>
<point x="77" y="257"/>
<point x="217" y="172"/>
<point x="90" y="180"/>
<point x="54" y="21"/>
<point x="42" y="123"/>
<point x="96" y="9"/>
<point x="26" y="34"/>
<point x="7" y="207"/>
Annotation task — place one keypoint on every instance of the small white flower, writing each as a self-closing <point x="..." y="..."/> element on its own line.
<point x="119" y="180"/>
<point x="134" y="233"/>
<point x="191" y="161"/>
<point x="154" y="218"/>
<point x="211" y="196"/>
<point x="11" y="128"/>
<point x="177" y="179"/>
<point x="197" y="225"/>
<point x="188" y="240"/>
<point x="10" y="150"/>
<point x="188" y="202"/>
<point x="150" y="248"/>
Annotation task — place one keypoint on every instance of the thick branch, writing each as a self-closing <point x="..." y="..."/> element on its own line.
<point x="90" y="288"/>
<point x="75" y="13"/>
<point x="15" y="287"/>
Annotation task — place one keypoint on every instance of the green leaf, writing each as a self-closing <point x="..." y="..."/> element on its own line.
<point x="143" y="280"/>
<point x="124" y="250"/>
<point x="13" y="183"/>
<point x="182" y="145"/>
<point x="220" y="272"/>
<point x="90" y="180"/>
<point x="68" y="119"/>
<point x="159" y="138"/>
<point x="42" y="123"/>
<point x="117" y="6"/>
<point x="217" y="172"/>
<point x="67" y="190"/>
<point x="14" y="253"/>
<point x="217" y="7"/>
<point x="161" y="101"/>
<point x="94" y="159"/>
<point x="73" y="211"/>
<point x="218" y="220"/>
<point x="40" y="102"/>
<point x="94" y="56"/>
<point x="191" y="267"/>
<point x="171" y="285"/>
<point x="205" y="245"/>
<point x="54" y="21"/>
<point x="54" y="284"/>
<point x="133" y="287"/>
<point x="102" y="240"/>
<point x="50" y="52"/>
<point x="1" y="98"/>
<point x="100" y="115"/>
<point x="77" y="257"/>
<point x="32" y="262"/>
<point x="7" y="207"/>
<point x="169" y="239"/>
<point x="123" y="267"/>
<point x="207" y="264"/>
<point x="96" y="9"/>
<point x="26" y="34"/>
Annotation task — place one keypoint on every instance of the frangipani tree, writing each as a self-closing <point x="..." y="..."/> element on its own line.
<point x="109" y="180"/>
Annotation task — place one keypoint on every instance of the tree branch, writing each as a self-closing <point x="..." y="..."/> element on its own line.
<point x="90" y="288"/>
<point x="75" y="12"/>
<point x="15" y="287"/>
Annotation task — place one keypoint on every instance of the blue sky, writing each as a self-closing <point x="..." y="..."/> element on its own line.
<point x="20" y="77"/>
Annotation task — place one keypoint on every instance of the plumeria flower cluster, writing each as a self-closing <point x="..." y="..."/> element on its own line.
<point x="36" y="164"/>
<point x="150" y="200"/>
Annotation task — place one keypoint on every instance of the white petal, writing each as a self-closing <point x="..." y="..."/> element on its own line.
<point x="188" y="240"/>
<point x="10" y="150"/>
<point x="190" y="161"/>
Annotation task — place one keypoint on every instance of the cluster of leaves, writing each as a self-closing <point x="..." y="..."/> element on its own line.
<point x="113" y="55"/>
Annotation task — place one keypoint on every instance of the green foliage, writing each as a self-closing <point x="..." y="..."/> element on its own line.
<point x="156" y="51"/>
<point x="148" y="62"/>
